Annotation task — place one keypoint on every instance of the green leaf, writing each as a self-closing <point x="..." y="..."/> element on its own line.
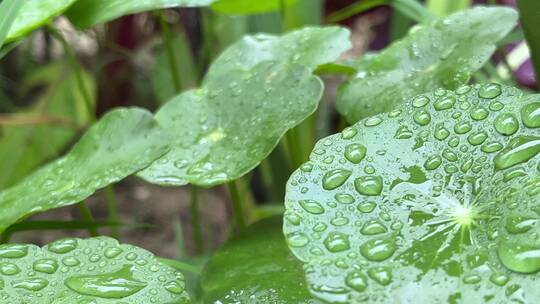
<point x="124" y="141"/>
<point x="248" y="7"/>
<point x="250" y="267"/>
<point x="529" y="13"/>
<point x="227" y="127"/>
<point x="446" y="7"/>
<point x="34" y="14"/>
<point x="443" y="53"/>
<point x="59" y="113"/>
<point x="8" y="13"/>
<point x="87" y="13"/>
<point x="96" y="270"/>
<point x="434" y="202"/>
<point x="309" y="46"/>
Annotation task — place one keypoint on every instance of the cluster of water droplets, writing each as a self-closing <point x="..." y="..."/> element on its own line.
<point x="418" y="175"/>
<point x="91" y="271"/>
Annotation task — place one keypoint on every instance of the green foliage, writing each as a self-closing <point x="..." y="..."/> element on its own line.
<point x="250" y="266"/>
<point x="8" y="13"/>
<point x="49" y="126"/>
<point x="529" y="13"/>
<point x="247" y="103"/>
<point x="96" y="270"/>
<point x="87" y="13"/>
<point x="123" y="142"/>
<point x="247" y="7"/>
<point x="440" y="54"/>
<point x="446" y="7"/>
<point x="441" y="193"/>
<point x="35" y="13"/>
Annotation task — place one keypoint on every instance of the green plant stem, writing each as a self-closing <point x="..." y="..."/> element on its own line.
<point x="237" y="205"/>
<point x="353" y="9"/>
<point x="195" y="223"/>
<point x="112" y="209"/>
<point x="76" y="67"/>
<point x="294" y="146"/>
<point x="86" y="214"/>
<point x="169" y="45"/>
<point x="529" y="11"/>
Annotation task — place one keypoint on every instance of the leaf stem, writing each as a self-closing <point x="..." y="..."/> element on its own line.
<point x="76" y="67"/>
<point x="195" y="223"/>
<point x="86" y="214"/>
<point x="112" y="209"/>
<point x="294" y="146"/>
<point x="169" y="45"/>
<point x="179" y="265"/>
<point x="237" y="205"/>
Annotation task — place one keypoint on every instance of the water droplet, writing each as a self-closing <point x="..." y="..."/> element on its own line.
<point x="116" y="285"/>
<point x="112" y="252"/>
<point x="433" y="162"/>
<point x="479" y="113"/>
<point x="477" y="138"/>
<point x="499" y="279"/>
<point x="449" y="155"/>
<point x="422" y="117"/>
<point x="462" y="127"/>
<point x="373" y="121"/>
<point x="420" y="101"/>
<point x="335" y="178"/>
<point x="506" y="124"/>
<point x="491" y="147"/>
<point x="381" y="275"/>
<point x="530" y="115"/>
<point x="489" y="91"/>
<point x="312" y="206"/>
<point x="13" y="251"/>
<point x="70" y="261"/>
<point x="516" y="224"/>
<point x="348" y="133"/>
<point x="378" y="249"/>
<point x="403" y="132"/>
<point x="444" y="103"/>
<point x="34" y="284"/>
<point x="366" y="207"/>
<point x="9" y="269"/>
<point x="519" y="149"/>
<point x="519" y="257"/>
<point x="48" y="266"/>
<point x="175" y="287"/>
<point x="356" y="280"/>
<point x="337" y="242"/>
<point x="63" y="246"/>
<point x="369" y="185"/>
<point x="355" y="153"/>
<point x="373" y="227"/>
<point x="472" y="279"/>
<point x="441" y="133"/>
<point x="297" y="239"/>
<point x="344" y="198"/>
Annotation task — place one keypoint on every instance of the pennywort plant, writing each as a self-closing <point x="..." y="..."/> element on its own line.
<point x="431" y="195"/>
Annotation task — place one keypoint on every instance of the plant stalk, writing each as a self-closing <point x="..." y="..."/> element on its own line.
<point x="237" y="205"/>
<point x="169" y="45"/>
<point x="112" y="209"/>
<point x="86" y="214"/>
<point x="195" y="223"/>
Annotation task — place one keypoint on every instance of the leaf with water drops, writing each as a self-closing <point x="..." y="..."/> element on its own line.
<point x="35" y="13"/>
<point x="121" y="143"/>
<point x="254" y="269"/>
<point x="441" y="54"/>
<point x="309" y="46"/>
<point x="226" y="128"/>
<point x="87" y="271"/>
<point x="87" y="13"/>
<point x="437" y="201"/>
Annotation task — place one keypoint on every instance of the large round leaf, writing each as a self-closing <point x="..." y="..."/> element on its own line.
<point x="35" y="13"/>
<point x="225" y="129"/>
<point x="246" y="7"/>
<point x="434" y="202"/>
<point x="124" y="141"/>
<point x="96" y="270"/>
<point x="255" y="267"/>
<point x="87" y="13"/>
<point x="309" y="46"/>
<point x="441" y="54"/>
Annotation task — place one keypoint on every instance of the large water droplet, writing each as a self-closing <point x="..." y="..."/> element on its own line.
<point x="490" y="91"/>
<point x="373" y="227"/>
<point x="336" y="242"/>
<point x="422" y="117"/>
<point x="477" y="138"/>
<point x="335" y="178"/>
<point x="433" y="162"/>
<point x="13" y="251"/>
<point x="175" y="287"/>
<point x="33" y="284"/>
<point x="297" y="239"/>
<point x="420" y="101"/>
<point x="530" y="115"/>
<point x="369" y="185"/>
<point x="444" y="103"/>
<point x="312" y="206"/>
<point x="355" y="153"/>
<point x="381" y="275"/>
<point x="403" y="132"/>
<point x="48" y="266"/>
<point x="348" y="133"/>
<point x="366" y="207"/>
<point x="63" y="246"/>
<point x="441" y="133"/>
<point x="116" y="285"/>
<point x="378" y="249"/>
<point x="9" y="269"/>
<point x="506" y="124"/>
<point x="112" y="252"/>
<point x="356" y="280"/>
<point x="519" y="257"/>
<point x="519" y="149"/>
